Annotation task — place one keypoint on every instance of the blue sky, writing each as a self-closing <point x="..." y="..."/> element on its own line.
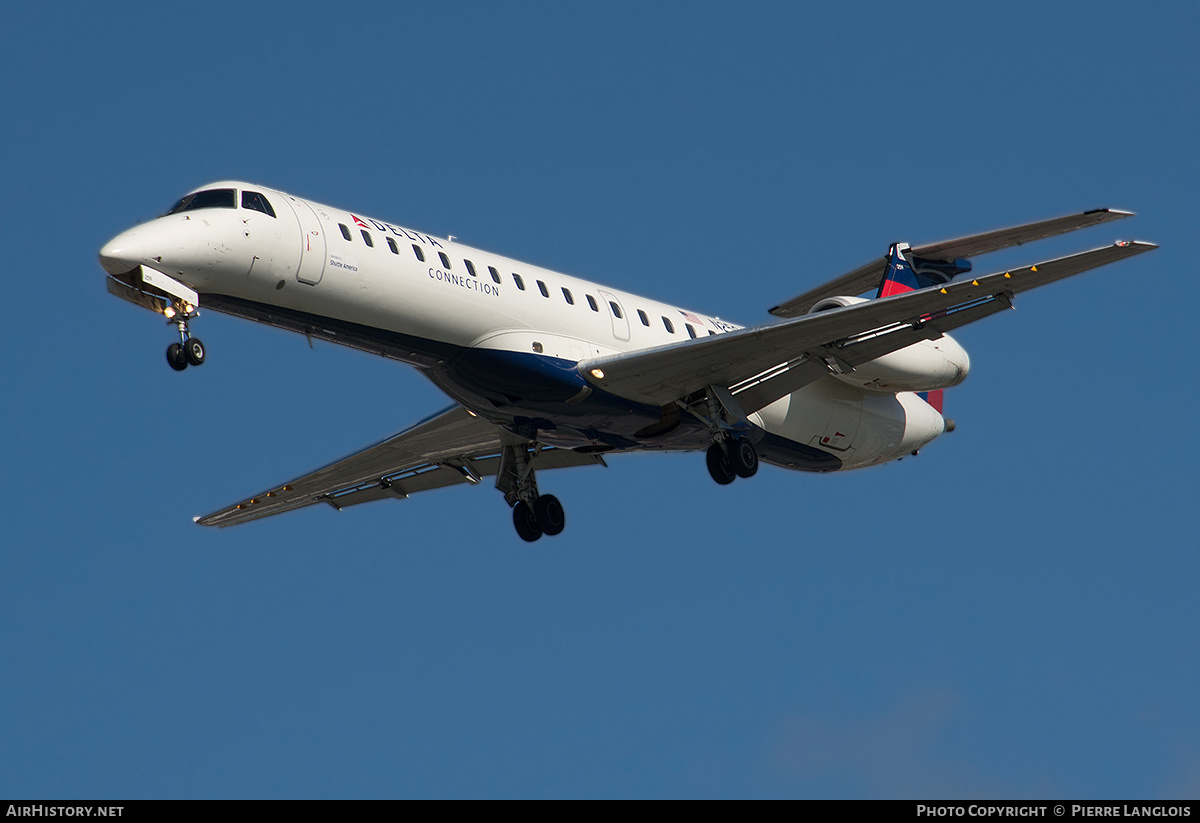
<point x="1010" y="614"/>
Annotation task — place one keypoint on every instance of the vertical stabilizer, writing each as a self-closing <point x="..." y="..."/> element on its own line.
<point x="899" y="276"/>
<point x="906" y="272"/>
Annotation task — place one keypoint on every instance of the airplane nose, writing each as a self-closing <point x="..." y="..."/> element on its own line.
<point x="163" y="244"/>
<point x="122" y="253"/>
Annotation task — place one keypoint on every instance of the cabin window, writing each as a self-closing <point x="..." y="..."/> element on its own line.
<point x="417" y="251"/>
<point x="495" y="274"/>
<point x="445" y="260"/>
<point x="345" y="231"/>
<point x="520" y="283"/>
<point x="542" y="288"/>
<point x="470" y="267"/>
<point x="668" y="325"/>
<point x="210" y="199"/>
<point x="691" y="331"/>
<point x="392" y="246"/>
<point x="567" y="296"/>
<point x="367" y="238"/>
<point x="255" y="201"/>
<point x="592" y="302"/>
<point x="642" y="316"/>
<point x="616" y="309"/>
<point x="711" y="333"/>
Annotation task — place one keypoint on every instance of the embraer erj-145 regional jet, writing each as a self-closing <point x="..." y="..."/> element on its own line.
<point x="548" y="371"/>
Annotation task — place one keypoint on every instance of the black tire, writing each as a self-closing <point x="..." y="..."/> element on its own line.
<point x="719" y="465"/>
<point x="744" y="457"/>
<point x="526" y="522"/>
<point x="176" y="357"/>
<point x="551" y="518"/>
<point x="194" y="350"/>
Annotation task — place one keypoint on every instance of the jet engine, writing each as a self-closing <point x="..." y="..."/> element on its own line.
<point x="927" y="365"/>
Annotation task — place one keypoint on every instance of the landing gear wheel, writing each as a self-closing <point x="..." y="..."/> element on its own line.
<point x="176" y="357"/>
<point x="526" y="522"/>
<point x="744" y="457"/>
<point x="194" y="350"/>
<point x="551" y="518"/>
<point x="719" y="464"/>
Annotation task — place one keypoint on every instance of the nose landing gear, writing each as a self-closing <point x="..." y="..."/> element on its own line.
<point x="189" y="349"/>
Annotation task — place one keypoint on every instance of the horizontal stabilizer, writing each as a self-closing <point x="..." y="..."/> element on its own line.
<point x="868" y="276"/>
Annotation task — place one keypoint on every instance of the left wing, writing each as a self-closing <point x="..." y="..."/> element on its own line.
<point x="762" y="364"/>
<point x="450" y="447"/>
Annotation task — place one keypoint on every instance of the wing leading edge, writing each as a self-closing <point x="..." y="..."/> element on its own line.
<point x="451" y="447"/>
<point x="762" y="364"/>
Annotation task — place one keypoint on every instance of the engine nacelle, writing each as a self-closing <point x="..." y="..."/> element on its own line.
<point x="927" y="365"/>
<point x="859" y="428"/>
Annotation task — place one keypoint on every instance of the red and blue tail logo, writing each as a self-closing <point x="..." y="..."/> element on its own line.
<point x="906" y="272"/>
<point x="899" y="277"/>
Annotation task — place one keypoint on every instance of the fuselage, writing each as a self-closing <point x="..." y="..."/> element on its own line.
<point x="502" y="337"/>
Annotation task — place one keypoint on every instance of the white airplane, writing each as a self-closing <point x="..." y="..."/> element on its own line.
<point x="548" y="370"/>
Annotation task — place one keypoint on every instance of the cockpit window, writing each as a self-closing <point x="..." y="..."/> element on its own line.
<point x="254" y="200"/>
<point x="210" y="199"/>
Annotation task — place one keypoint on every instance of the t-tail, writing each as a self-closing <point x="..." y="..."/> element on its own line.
<point x="905" y="272"/>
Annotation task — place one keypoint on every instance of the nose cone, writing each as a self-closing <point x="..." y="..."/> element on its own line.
<point x="124" y="252"/>
<point x="168" y="244"/>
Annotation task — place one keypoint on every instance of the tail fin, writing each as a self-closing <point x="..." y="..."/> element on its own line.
<point x="905" y="272"/>
<point x="899" y="276"/>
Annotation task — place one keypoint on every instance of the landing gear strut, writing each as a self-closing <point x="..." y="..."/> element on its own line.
<point x="189" y="349"/>
<point x="533" y="514"/>
<point x="732" y="453"/>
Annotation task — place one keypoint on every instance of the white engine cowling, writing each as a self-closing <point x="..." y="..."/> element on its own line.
<point x="927" y="365"/>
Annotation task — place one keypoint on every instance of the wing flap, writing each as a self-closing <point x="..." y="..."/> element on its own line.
<point x="752" y="358"/>
<point x="868" y="276"/>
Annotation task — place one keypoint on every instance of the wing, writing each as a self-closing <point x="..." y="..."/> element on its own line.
<point x="450" y="447"/>
<point x="867" y="277"/>
<point x="762" y="364"/>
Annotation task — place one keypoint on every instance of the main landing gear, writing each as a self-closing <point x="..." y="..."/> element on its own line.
<point x="732" y="453"/>
<point x="545" y="516"/>
<point x="189" y="349"/>
<point x="533" y="514"/>
<point x="732" y="458"/>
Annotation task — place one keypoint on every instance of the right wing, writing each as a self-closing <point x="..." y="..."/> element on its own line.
<point x="867" y="277"/>
<point x="450" y="447"/>
<point x="759" y="365"/>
